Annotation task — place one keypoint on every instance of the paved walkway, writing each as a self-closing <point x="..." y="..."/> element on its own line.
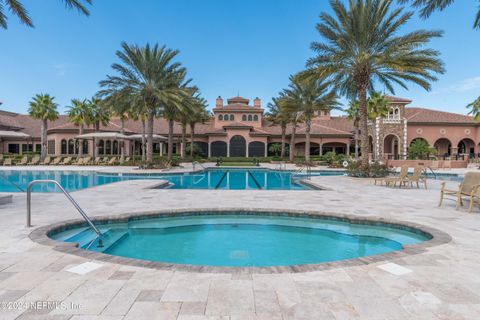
<point x="444" y="282"/>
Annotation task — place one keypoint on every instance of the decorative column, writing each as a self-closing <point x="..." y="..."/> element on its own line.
<point x="246" y="148"/>
<point x="228" y="149"/>
<point x="266" y="149"/>
<point x="321" y="149"/>
<point x="404" y="153"/>
<point x="161" y="149"/>
<point x="209" y="149"/>
<point x="348" y="149"/>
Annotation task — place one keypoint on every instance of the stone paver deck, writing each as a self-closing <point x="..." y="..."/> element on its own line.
<point x="444" y="282"/>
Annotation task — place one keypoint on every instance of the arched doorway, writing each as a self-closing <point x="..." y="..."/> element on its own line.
<point x="466" y="147"/>
<point x="256" y="149"/>
<point x="238" y="146"/>
<point x="391" y="147"/>
<point x="443" y="146"/>
<point x="201" y="148"/>
<point x="219" y="149"/>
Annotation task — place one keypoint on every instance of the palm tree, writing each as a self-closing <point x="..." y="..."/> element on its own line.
<point x="352" y="114"/>
<point x="475" y="109"/>
<point x="17" y="9"/>
<point x="307" y="97"/>
<point x="99" y="116"/>
<point x="277" y="116"/>
<point x="120" y="104"/>
<point x="149" y="75"/>
<point x="138" y="111"/>
<point x="44" y="108"/>
<point x="427" y="7"/>
<point x="80" y="114"/>
<point x="199" y="114"/>
<point x="362" y="48"/>
<point x="377" y="106"/>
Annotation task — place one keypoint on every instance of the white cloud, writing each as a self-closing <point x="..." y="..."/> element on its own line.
<point x="467" y="85"/>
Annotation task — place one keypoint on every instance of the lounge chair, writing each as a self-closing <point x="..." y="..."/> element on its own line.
<point x="417" y="178"/>
<point x="447" y="164"/>
<point x="35" y="161"/>
<point x="23" y="162"/>
<point x="56" y="161"/>
<point x="78" y="162"/>
<point x="86" y="161"/>
<point x="466" y="189"/>
<point x="7" y="162"/>
<point x="66" y="161"/>
<point x="47" y="161"/>
<point x="127" y="159"/>
<point x="389" y="180"/>
<point x="112" y="161"/>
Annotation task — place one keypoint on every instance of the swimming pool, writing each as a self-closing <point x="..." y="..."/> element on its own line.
<point x="242" y="240"/>
<point x="231" y="179"/>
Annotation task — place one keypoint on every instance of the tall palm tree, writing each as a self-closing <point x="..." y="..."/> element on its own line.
<point x="100" y="115"/>
<point x="149" y="75"/>
<point x="138" y="112"/>
<point x="17" y="9"/>
<point x="120" y="105"/>
<point x="199" y="114"/>
<point x="427" y="7"/>
<point x="44" y="108"/>
<point x="475" y="109"/>
<point x="377" y="106"/>
<point x="362" y="47"/>
<point x="277" y="116"/>
<point x="307" y="97"/>
<point x="80" y="114"/>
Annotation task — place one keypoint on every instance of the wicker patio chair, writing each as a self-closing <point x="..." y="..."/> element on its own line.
<point x="389" y="180"/>
<point x="417" y="177"/>
<point x="466" y="189"/>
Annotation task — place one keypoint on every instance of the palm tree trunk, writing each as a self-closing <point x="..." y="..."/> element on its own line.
<point x="43" y="153"/>
<point x="362" y="102"/>
<point x="95" y="141"/>
<point x="192" y="134"/>
<point x="122" y="145"/>
<point x="356" y="142"/>
<point x="143" y="139"/>
<point x="292" y="141"/>
<point x="150" y="119"/>
<point x="308" y="124"/>
<point x="170" y="139"/>
<point x="284" y="130"/>
<point x="80" y="141"/>
<point x="184" y="140"/>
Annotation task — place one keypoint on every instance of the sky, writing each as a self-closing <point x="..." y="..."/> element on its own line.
<point x="248" y="47"/>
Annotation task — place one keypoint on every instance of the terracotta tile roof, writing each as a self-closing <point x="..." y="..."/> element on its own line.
<point x="332" y="126"/>
<point x="423" y="115"/>
<point x="238" y="99"/>
<point x="237" y="125"/>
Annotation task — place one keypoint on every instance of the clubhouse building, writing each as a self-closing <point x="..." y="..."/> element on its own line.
<point x="238" y="128"/>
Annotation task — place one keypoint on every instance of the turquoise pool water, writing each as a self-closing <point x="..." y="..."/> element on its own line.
<point x="242" y="240"/>
<point x="235" y="179"/>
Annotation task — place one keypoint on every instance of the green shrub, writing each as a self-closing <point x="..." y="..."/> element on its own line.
<point x="419" y="149"/>
<point x="373" y="170"/>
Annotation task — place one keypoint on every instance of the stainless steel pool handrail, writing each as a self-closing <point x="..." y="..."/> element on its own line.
<point x="195" y="163"/>
<point x="69" y="197"/>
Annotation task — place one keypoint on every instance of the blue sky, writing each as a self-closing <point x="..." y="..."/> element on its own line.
<point x="245" y="46"/>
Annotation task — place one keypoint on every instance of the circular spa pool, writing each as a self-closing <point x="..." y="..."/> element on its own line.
<point x="242" y="239"/>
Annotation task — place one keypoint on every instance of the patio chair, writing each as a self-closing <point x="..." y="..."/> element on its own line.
<point x="47" y="161"/>
<point x="112" y="161"/>
<point x="56" y="161"/>
<point x="447" y="164"/>
<point x="127" y="159"/>
<point x="466" y="189"/>
<point x="392" y="179"/>
<point x="7" y="162"/>
<point x="417" y="178"/>
<point x="23" y="162"/>
<point x="66" y="161"/>
<point x="86" y="161"/>
<point x="35" y="161"/>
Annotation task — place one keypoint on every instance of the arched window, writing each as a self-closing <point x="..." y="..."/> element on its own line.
<point x="249" y="117"/>
<point x="255" y="118"/>
<point x="232" y="117"/>
<point x="63" y="148"/>
<point x="244" y="118"/>
<point x="220" y="117"/>
<point x="71" y="146"/>
<point x="101" y="147"/>
<point x="115" y="147"/>
<point x="108" y="147"/>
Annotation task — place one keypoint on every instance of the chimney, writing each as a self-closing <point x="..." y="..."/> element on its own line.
<point x="257" y="103"/>
<point x="219" y="102"/>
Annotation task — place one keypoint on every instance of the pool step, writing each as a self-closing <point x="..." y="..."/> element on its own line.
<point x="109" y="238"/>
<point x="85" y="236"/>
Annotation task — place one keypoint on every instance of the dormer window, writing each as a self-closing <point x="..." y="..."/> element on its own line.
<point x="394" y="113"/>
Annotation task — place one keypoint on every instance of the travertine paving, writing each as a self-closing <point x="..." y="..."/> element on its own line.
<point x="444" y="282"/>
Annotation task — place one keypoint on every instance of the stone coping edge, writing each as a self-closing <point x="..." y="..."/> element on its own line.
<point x="438" y="237"/>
